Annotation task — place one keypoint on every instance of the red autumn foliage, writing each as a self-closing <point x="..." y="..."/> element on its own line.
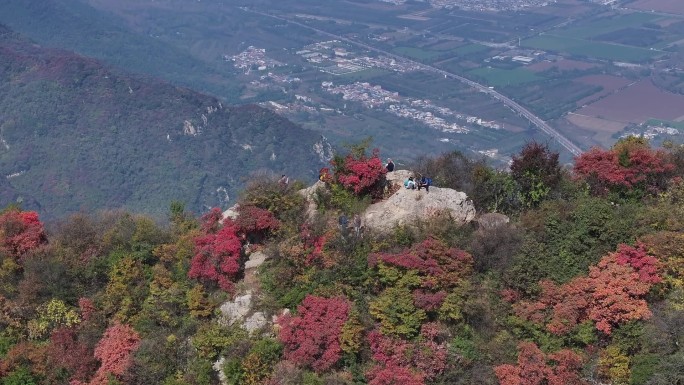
<point x="87" y="308"/>
<point x="115" y="353"/>
<point x="424" y="359"/>
<point x="618" y="294"/>
<point x="612" y="294"/>
<point x="314" y="253"/>
<point x="442" y="267"/>
<point x="312" y="337"/>
<point x="65" y="352"/>
<point x="211" y="221"/>
<point x="638" y="258"/>
<point x="360" y="174"/>
<point x="255" y="222"/>
<point x="430" y="356"/>
<point x="428" y="301"/>
<point x="217" y="257"/>
<point x="536" y="368"/>
<point x="623" y="168"/>
<point x="20" y="232"/>
<point x="510" y="295"/>
<point x="393" y="375"/>
<point x="389" y="351"/>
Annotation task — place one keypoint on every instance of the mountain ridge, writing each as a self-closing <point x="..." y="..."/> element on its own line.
<point x="119" y="140"/>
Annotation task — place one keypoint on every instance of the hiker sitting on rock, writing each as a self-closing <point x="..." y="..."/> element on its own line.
<point x="425" y="182"/>
<point x="410" y="183"/>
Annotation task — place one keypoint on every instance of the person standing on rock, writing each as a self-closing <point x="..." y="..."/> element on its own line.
<point x="390" y="165"/>
<point x="343" y="221"/>
<point x="284" y="181"/>
<point x="357" y="225"/>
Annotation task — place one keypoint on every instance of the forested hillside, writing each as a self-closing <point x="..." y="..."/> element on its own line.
<point x="76" y="26"/>
<point x="582" y="286"/>
<point x="75" y="135"/>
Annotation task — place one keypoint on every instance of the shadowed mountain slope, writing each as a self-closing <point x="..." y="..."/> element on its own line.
<point x="76" y="135"/>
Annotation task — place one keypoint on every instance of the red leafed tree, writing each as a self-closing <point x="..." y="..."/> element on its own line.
<point x="255" y="222"/>
<point x="430" y="356"/>
<point x="359" y="173"/>
<point x="312" y="337"/>
<point x="115" y="353"/>
<point x="443" y="267"/>
<point x="612" y="294"/>
<point x="536" y="368"/>
<point x="211" y="221"/>
<point x="630" y="166"/>
<point x="424" y="359"/>
<point x="618" y="294"/>
<point x="20" y="232"/>
<point x="87" y="308"/>
<point x="389" y="351"/>
<point x="217" y="257"/>
<point x="566" y="369"/>
<point x="560" y="308"/>
<point x="647" y="266"/>
<point x="394" y="375"/>
<point x="65" y="352"/>
<point x="426" y="300"/>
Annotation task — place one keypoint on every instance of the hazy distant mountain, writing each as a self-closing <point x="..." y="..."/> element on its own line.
<point x="78" y="27"/>
<point x="76" y="135"/>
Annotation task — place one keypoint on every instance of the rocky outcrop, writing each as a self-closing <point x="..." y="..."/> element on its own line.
<point x="231" y="213"/>
<point x="406" y="206"/>
<point x="240" y="308"/>
<point x="309" y="194"/>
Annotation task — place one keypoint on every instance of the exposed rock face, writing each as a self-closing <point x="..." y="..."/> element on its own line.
<point x="231" y="213"/>
<point x="405" y="206"/>
<point x="309" y="193"/>
<point x="255" y="260"/>
<point x="240" y="308"/>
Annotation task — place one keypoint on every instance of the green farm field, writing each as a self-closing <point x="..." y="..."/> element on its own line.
<point x="418" y="53"/>
<point x="606" y="25"/>
<point x="500" y="77"/>
<point x="665" y="123"/>
<point x="591" y="49"/>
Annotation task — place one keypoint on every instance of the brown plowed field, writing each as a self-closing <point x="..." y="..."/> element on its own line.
<point x="636" y="104"/>
<point x="609" y="83"/>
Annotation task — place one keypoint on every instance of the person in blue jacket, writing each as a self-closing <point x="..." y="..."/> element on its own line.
<point x="424" y="182"/>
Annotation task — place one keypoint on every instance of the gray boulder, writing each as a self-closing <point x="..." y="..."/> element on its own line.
<point x="406" y="206"/>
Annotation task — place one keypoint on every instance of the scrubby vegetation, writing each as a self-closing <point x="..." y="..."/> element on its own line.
<point x="583" y="286"/>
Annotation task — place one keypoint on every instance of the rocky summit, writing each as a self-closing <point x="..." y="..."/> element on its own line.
<point x="405" y="206"/>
